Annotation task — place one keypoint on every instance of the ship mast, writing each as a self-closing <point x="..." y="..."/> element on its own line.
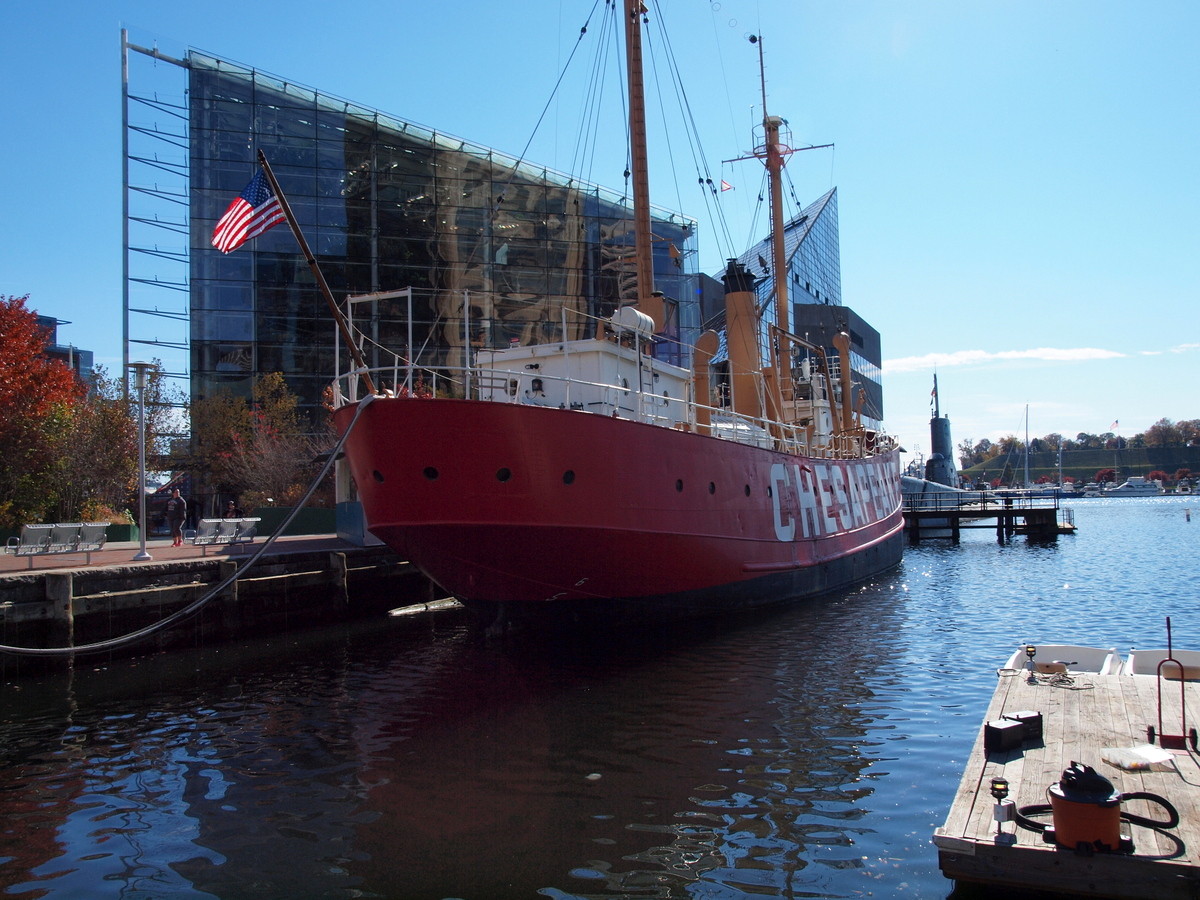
<point x="772" y="153"/>
<point x="648" y="301"/>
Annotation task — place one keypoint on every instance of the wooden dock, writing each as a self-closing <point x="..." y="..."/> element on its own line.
<point x="945" y="515"/>
<point x="1081" y="716"/>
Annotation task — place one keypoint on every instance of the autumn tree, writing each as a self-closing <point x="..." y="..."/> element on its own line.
<point x="259" y="450"/>
<point x="98" y="461"/>
<point x="37" y="396"/>
<point x="1163" y="433"/>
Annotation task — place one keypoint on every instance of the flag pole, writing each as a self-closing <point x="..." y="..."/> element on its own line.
<point x="343" y="326"/>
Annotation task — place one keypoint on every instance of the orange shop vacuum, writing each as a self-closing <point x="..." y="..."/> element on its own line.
<point x="1087" y="815"/>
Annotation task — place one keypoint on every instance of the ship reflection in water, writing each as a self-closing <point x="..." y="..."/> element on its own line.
<point x="434" y="764"/>
<point x="808" y="751"/>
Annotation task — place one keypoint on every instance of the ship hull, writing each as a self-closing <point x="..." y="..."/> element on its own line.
<point x="545" y="509"/>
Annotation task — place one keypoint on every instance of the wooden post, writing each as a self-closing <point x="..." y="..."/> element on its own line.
<point x="337" y="583"/>
<point x="231" y="612"/>
<point x="60" y="587"/>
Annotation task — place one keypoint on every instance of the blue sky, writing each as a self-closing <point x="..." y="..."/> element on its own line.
<point x="1017" y="180"/>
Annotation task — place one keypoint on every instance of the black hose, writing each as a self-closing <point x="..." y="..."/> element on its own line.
<point x="1172" y="820"/>
<point x="1172" y="812"/>
<point x="1024" y="812"/>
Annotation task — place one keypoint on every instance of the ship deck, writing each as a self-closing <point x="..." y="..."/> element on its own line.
<point x="1082" y="716"/>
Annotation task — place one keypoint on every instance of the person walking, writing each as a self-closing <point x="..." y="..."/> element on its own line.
<point x="176" y="516"/>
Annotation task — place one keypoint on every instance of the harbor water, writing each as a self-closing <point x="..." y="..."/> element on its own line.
<point x="804" y="752"/>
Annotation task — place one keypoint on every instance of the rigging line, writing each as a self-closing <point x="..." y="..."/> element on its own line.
<point x="191" y="609"/>
<point x="663" y="113"/>
<point x="582" y="126"/>
<point x="695" y="144"/>
<point x="584" y="156"/>
<point x="495" y="207"/>
<point x="756" y="213"/>
<point x="553" y="92"/>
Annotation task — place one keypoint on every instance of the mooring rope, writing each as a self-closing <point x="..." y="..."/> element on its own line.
<point x="193" y="608"/>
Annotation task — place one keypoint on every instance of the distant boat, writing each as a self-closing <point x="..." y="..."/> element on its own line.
<point x="1135" y="486"/>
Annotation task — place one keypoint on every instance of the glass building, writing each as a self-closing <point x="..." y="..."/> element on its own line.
<point x="814" y="279"/>
<point x="387" y="205"/>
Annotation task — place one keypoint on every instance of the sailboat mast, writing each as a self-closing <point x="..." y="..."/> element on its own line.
<point x="648" y="302"/>
<point x="1027" y="485"/>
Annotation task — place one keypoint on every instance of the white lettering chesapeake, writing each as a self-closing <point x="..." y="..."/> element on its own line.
<point x="809" y="505"/>
<point x="779" y="479"/>
<point x="823" y="489"/>
<point x="841" y="508"/>
<point x="866" y="493"/>
<point x="854" y="491"/>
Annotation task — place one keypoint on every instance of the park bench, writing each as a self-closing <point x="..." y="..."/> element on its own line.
<point x="57" y="539"/>
<point x="227" y="532"/>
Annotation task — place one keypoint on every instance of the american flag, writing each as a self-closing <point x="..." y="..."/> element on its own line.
<point x="252" y="213"/>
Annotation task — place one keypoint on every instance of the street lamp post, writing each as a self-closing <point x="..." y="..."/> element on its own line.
<point x="139" y="369"/>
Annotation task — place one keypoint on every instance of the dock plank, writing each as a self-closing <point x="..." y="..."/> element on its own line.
<point x="1080" y="719"/>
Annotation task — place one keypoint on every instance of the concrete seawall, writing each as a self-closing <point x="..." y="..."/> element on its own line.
<point x="303" y="582"/>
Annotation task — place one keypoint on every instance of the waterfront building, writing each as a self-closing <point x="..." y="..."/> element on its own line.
<point x="78" y="361"/>
<point x="814" y="280"/>
<point x="496" y="250"/>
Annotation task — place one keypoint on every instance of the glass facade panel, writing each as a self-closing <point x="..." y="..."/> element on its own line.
<point x="387" y="205"/>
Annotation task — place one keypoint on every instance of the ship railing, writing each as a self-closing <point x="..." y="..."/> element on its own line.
<point x="604" y="398"/>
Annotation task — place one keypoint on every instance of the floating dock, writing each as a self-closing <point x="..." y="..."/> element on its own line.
<point x="1082" y="715"/>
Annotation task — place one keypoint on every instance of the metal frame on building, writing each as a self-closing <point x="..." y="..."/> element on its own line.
<point x="154" y="212"/>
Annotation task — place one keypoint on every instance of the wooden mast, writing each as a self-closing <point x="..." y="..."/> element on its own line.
<point x="648" y="302"/>
<point x="773" y="153"/>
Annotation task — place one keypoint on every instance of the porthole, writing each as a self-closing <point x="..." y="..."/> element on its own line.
<point x="569" y="476"/>
<point x="770" y="493"/>
<point x="377" y="475"/>
<point x="429" y="472"/>
<point x="747" y="490"/>
<point x="679" y="485"/>
<point x="712" y="488"/>
<point x="503" y="474"/>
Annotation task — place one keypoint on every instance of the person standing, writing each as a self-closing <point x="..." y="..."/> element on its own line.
<point x="176" y="516"/>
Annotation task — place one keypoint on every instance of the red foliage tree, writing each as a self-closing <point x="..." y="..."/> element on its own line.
<point x="37" y="394"/>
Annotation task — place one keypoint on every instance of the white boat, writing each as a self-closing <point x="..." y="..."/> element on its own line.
<point x="1051" y="659"/>
<point x="1135" y="486"/>
<point x="1145" y="662"/>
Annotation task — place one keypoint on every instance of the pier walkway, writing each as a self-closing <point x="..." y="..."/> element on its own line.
<point x="121" y="553"/>
<point x="946" y="514"/>
<point x="75" y="600"/>
<point x="1083" y="715"/>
